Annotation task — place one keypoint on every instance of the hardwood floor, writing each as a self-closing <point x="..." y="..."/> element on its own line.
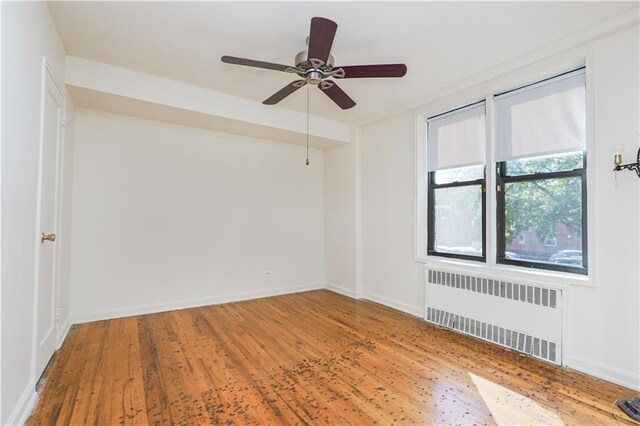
<point x="306" y="358"/>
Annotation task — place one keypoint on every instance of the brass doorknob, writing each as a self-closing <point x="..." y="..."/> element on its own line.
<point x="48" y="237"/>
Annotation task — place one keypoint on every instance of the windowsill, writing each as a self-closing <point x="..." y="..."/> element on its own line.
<point x="509" y="272"/>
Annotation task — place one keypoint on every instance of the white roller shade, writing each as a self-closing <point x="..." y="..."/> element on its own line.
<point x="543" y="119"/>
<point x="457" y="139"/>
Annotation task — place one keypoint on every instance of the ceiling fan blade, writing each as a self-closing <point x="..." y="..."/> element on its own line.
<point x="284" y="92"/>
<point x="368" y="71"/>
<point x="338" y="96"/>
<point x="251" y="63"/>
<point x="321" y="38"/>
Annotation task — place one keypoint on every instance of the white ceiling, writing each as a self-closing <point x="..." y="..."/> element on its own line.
<point x="441" y="42"/>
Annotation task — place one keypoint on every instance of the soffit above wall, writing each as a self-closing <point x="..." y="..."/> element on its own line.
<point x="108" y="102"/>
<point x="107" y="88"/>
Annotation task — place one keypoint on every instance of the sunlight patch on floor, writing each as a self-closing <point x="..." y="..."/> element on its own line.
<point x="511" y="408"/>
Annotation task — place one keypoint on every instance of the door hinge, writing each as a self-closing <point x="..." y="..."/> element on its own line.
<point x="58" y="313"/>
<point x="499" y="188"/>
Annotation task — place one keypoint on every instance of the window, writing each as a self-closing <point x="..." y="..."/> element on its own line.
<point x="456" y="183"/>
<point x="539" y="184"/>
<point x="541" y="174"/>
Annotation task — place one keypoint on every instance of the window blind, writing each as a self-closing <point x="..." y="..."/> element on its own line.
<point x="546" y="118"/>
<point x="457" y="139"/>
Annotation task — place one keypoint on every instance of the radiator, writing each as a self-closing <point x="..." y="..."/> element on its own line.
<point x="522" y="316"/>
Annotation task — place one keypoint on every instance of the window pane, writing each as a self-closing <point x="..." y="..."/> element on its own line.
<point x="547" y="164"/>
<point x="462" y="174"/>
<point x="543" y="221"/>
<point x="458" y="220"/>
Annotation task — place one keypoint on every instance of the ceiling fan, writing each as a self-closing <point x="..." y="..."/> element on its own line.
<point x="315" y="65"/>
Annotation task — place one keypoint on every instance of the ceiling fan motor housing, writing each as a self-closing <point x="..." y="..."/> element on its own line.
<point x="313" y="70"/>
<point x="301" y="60"/>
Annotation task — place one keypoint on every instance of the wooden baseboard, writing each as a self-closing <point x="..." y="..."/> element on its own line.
<point x="24" y="406"/>
<point x="415" y="310"/>
<point x="192" y="303"/>
<point x="341" y="290"/>
<point x="605" y="372"/>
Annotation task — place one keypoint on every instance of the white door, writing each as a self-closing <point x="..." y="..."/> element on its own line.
<point x="50" y="154"/>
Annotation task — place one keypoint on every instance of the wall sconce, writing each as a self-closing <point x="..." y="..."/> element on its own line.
<point x="617" y="160"/>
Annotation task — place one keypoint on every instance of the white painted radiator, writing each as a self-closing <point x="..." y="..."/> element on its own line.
<point x="522" y="316"/>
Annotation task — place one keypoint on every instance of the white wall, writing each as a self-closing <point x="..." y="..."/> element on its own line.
<point x="340" y="170"/>
<point x="603" y="324"/>
<point x="28" y="34"/>
<point x="167" y="216"/>
<point x="389" y="272"/>
<point x="64" y="285"/>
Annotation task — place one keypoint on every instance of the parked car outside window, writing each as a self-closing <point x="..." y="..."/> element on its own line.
<point x="567" y="257"/>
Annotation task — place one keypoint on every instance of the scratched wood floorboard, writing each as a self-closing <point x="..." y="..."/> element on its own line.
<point x="308" y="358"/>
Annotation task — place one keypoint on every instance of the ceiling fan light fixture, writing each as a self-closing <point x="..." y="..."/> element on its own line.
<point x="314" y="77"/>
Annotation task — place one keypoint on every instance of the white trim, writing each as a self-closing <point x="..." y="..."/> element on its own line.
<point x="36" y="265"/>
<point x="341" y="290"/>
<point x="589" y="63"/>
<point x="61" y="328"/>
<point x="63" y="332"/>
<point x="24" y="406"/>
<point x="491" y="197"/>
<point x="491" y="273"/>
<point x="47" y="72"/>
<point x="555" y="278"/>
<point x="414" y="310"/>
<point x="358" y="218"/>
<point x="602" y="371"/>
<point x="189" y="303"/>
<point x="420" y="189"/>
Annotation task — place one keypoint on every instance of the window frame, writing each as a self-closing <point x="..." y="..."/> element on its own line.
<point x="486" y="91"/>
<point x="503" y="178"/>
<point x="431" y="188"/>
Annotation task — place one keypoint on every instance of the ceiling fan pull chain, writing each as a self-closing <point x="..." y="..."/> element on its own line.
<point x="307" y="124"/>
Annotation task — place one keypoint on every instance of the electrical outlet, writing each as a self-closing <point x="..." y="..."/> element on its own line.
<point x="266" y="274"/>
<point x="58" y="313"/>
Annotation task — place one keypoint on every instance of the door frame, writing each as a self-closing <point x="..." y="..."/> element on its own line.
<point x="48" y="72"/>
